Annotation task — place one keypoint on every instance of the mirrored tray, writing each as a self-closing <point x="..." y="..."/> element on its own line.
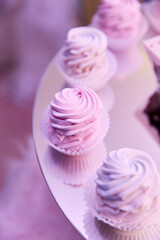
<point x="129" y="128"/>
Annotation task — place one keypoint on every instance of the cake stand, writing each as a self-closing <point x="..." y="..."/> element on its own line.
<point x="129" y="128"/>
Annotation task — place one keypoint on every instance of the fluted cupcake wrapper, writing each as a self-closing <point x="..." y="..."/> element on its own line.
<point x="153" y="20"/>
<point x="91" y="81"/>
<point x="98" y="230"/>
<point x="47" y="133"/>
<point x="151" y="218"/>
<point x="74" y="170"/>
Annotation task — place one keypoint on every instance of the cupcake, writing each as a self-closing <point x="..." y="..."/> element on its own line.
<point x="152" y="10"/>
<point x="85" y="60"/>
<point x="152" y="108"/>
<point x="74" y="125"/>
<point x="124" y="196"/>
<point x="124" y="26"/>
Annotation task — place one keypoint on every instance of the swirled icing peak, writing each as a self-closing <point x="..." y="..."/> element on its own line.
<point x="84" y="53"/>
<point x="127" y="187"/>
<point x="75" y="115"/>
<point x="119" y="18"/>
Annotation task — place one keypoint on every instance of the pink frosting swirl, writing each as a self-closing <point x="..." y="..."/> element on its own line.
<point x="75" y="115"/>
<point x="119" y="18"/>
<point x="84" y="53"/>
<point x="127" y="188"/>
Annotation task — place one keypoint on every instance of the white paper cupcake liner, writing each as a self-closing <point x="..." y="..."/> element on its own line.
<point x="74" y="170"/>
<point x="47" y="134"/>
<point x="154" y="21"/>
<point x="98" y="230"/>
<point x="93" y="82"/>
<point x="152" y="218"/>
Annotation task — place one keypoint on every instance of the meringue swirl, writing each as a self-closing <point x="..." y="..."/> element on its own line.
<point x="75" y="115"/>
<point x="119" y="18"/>
<point x="84" y="53"/>
<point x="127" y="187"/>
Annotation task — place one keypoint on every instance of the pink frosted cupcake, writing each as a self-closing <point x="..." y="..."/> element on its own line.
<point x="124" y="197"/>
<point x="124" y="25"/>
<point x="84" y="59"/>
<point x="152" y="12"/>
<point x="74" y="124"/>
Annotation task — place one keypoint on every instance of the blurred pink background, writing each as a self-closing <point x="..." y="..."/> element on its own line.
<point x="31" y="32"/>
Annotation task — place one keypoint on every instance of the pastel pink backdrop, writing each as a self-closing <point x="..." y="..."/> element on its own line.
<point x="31" y="32"/>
